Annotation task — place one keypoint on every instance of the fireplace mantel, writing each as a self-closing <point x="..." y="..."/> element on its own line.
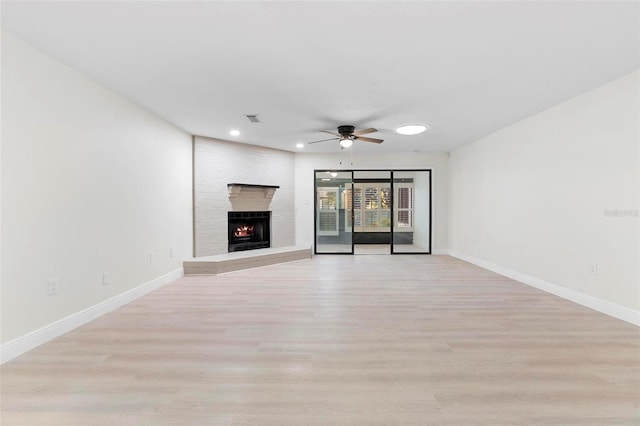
<point x="235" y="189"/>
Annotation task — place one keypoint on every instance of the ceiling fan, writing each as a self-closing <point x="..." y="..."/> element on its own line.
<point x="347" y="135"/>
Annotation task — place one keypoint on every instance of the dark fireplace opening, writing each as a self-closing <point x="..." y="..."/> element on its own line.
<point x="249" y="230"/>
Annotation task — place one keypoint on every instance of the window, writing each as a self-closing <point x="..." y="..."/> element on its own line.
<point x="404" y="205"/>
<point x="372" y="207"/>
<point x="328" y="211"/>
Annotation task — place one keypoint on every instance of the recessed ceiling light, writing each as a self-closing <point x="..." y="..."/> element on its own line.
<point x="299" y="145"/>
<point x="234" y="132"/>
<point x="411" y="129"/>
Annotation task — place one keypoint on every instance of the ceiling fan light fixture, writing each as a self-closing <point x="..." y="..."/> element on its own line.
<point x="411" y="129"/>
<point x="346" y="142"/>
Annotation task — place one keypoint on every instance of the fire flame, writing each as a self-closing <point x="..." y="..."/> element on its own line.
<point x="243" y="231"/>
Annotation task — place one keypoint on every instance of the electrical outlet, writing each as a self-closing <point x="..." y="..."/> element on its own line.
<point x="105" y="278"/>
<point x="52" y="287"/>
<point x="594" y="269"/>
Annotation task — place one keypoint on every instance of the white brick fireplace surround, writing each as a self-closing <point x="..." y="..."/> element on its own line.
<point x="216" y="163"/>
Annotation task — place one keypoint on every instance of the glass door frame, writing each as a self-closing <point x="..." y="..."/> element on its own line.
<point x="361" y="180"/>
<point x="392" y="213"/>
<point x="315" y="211"/>
<point x="430" y="186"/>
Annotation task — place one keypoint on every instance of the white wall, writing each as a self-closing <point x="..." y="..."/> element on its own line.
<point x="536" y="197"/>
<point x="91" y="183"/>
<point x="218" y="163"/>
<point x="305" y="164"/>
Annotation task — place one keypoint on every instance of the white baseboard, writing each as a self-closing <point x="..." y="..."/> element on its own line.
<point x="23" y="344"/>
<point x="603" y="306"/>
<point x="440" y="252"/>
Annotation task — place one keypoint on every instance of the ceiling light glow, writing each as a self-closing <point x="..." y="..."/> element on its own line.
<point x="234" y="132"/>
<point x="411" y="129"/>
<point x="346" y="142"/>
<point x="299" y="145"/>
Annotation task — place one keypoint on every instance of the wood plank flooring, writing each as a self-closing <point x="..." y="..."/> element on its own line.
<point x="336" y="340"/>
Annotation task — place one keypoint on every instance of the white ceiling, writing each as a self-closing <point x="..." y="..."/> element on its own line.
<point x="466" y="69"/>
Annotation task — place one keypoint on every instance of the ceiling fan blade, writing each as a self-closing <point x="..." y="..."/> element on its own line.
<point x="365" y="131"/>
<point x="331" y="133"/>
<point x="374" y="140"/>
<point x="323" y="140"/>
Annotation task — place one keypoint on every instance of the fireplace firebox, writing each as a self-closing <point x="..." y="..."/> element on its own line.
<point x="249" y="230"/>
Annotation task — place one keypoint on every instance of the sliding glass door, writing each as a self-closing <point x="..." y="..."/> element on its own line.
<point x="333" y="211"/>
<point x="372" y="209"/>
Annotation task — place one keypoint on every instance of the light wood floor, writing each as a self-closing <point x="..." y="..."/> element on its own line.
<point x="336" y="340"/>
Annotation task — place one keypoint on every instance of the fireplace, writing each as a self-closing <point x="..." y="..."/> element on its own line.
<point x="249" y="230"/>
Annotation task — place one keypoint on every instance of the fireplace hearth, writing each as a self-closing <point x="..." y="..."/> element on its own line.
<point x="249" y="230"/>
